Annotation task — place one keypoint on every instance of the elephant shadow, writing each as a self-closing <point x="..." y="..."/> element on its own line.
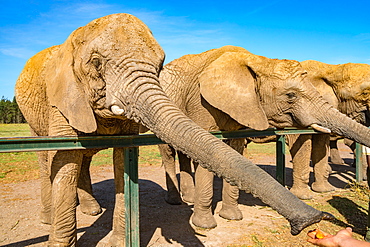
<point x="340" y="177"/>
<point x="172" y="221"/>
<point x="104" y="192"/>
<point x="348" y="208"/>
<point x="155" y="215"/>
<point x="245" y="198"/>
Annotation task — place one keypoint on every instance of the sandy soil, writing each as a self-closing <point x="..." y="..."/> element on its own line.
<point x="160" y="224"/>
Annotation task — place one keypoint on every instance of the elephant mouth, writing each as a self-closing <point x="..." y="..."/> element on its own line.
<point x="105" y="113"/>
<point x="321" y="128"/>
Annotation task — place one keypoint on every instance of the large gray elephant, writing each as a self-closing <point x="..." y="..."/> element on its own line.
<point x="229" y="89"/>
<point x="104" y="80"/>
<point x="346" y="87"/>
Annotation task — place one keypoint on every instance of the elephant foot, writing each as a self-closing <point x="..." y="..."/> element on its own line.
<point x="62" y="242"/>
<point x="56" y="244"/>
<point x="173" y="198"/>
<point x="117" y="240"/>
<point x="299" y="224"/>
<point x="321" y="187"/>
<point x="302" y="192"/>
<point x="203" y="219"/>
<point x="338" y="162"/>
<point x="45" y="218"/>
<point x="230" y="212"/>
<point x="90" y="207"/>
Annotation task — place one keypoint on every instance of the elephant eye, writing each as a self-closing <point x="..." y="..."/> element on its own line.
<point x="291" y="97"/>
<point x="96" y="62"/>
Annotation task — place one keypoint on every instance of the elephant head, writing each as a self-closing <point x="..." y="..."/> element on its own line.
<point x="275" y="92"/>
<point x="108" y="70"/>
<point x="101" y="66"/>
<point x="347" y="85"/>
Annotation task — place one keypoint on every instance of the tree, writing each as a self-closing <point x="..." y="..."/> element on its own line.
<point x="18" y="116"/>
<point x="10" y="112"/>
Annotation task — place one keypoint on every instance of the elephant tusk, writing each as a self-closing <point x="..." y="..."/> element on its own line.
<point x="321" y="128"/>
<point x="117" y="110"/>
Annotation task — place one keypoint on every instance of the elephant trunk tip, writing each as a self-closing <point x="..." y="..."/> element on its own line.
<point x="300" y="224"/>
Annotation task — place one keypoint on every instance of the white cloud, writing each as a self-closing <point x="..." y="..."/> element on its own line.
<point x="53" y="27"/>
<point x="178" y="35"/>
<point x="363" y="37"/>
<point x="17" y="52"/>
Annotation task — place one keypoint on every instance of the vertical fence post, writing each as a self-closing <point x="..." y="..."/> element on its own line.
<point x="131" y="178"/>
<point x="280" y="159"/>
<point x="359" y="175"/>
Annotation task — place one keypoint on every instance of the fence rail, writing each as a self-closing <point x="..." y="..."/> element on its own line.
<point x="131" y="144"/>
<point x="27" y="144"/>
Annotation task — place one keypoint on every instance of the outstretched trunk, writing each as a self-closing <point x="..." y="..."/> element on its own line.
<point x="155" y="111"/>
<point x="342" y="125"/>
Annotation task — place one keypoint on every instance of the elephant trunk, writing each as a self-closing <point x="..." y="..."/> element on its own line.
<point x="344" y="126"/>
<point x="152" y="108"/>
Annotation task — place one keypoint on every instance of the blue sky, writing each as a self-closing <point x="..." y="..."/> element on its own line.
<point x="329" y="31"/>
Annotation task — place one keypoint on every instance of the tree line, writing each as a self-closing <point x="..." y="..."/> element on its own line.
<point x="9" y="112"/>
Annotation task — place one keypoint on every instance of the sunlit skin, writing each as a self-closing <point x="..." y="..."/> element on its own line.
<point x="343" y="238"/>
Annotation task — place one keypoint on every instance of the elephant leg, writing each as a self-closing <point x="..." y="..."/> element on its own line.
<point x="300" y="148"/>
<point x="230" y="209"/>
<point x="65" y="167"/>
<point x="168" y="155"/>
<point x="88" y="204"/>
<point x="45" y="214"/>
<point x="186" y="178"/>
<point x="322" y="169"/>
<point x="334" y="153"/>
<point x="202" y="215"/>
<point x="118" y="230"/>
<point x="230" y="194"/>
<point x="352" y="145"/>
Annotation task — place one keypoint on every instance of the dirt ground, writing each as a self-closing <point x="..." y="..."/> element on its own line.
<point x="162" y="224"/>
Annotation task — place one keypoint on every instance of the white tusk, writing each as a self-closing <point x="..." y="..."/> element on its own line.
<point x="321" y="128"/>
<point x="117" y="110"/>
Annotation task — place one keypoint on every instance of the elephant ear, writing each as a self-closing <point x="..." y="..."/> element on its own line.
<point x="229" y="85"/>
<point x="65" y="92"/>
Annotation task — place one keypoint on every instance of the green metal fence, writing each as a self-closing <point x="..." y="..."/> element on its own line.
<point x="131" y="144"/>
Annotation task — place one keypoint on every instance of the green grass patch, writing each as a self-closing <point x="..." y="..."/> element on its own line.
<point x="265" y="148"/>
<point x="104" y="157"/>
<point x="14" y="130"/>
<point x="17" y="166"/>
<point x="149" y="155"/>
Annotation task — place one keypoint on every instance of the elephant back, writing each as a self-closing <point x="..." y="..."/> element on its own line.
<point x="179" y="78"/>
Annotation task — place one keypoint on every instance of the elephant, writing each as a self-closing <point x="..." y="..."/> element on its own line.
<point x="104" y="80"/>
<point x="229" y="89"/>
<point x="347" y="87"/>
<point x="352" y="100"/>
